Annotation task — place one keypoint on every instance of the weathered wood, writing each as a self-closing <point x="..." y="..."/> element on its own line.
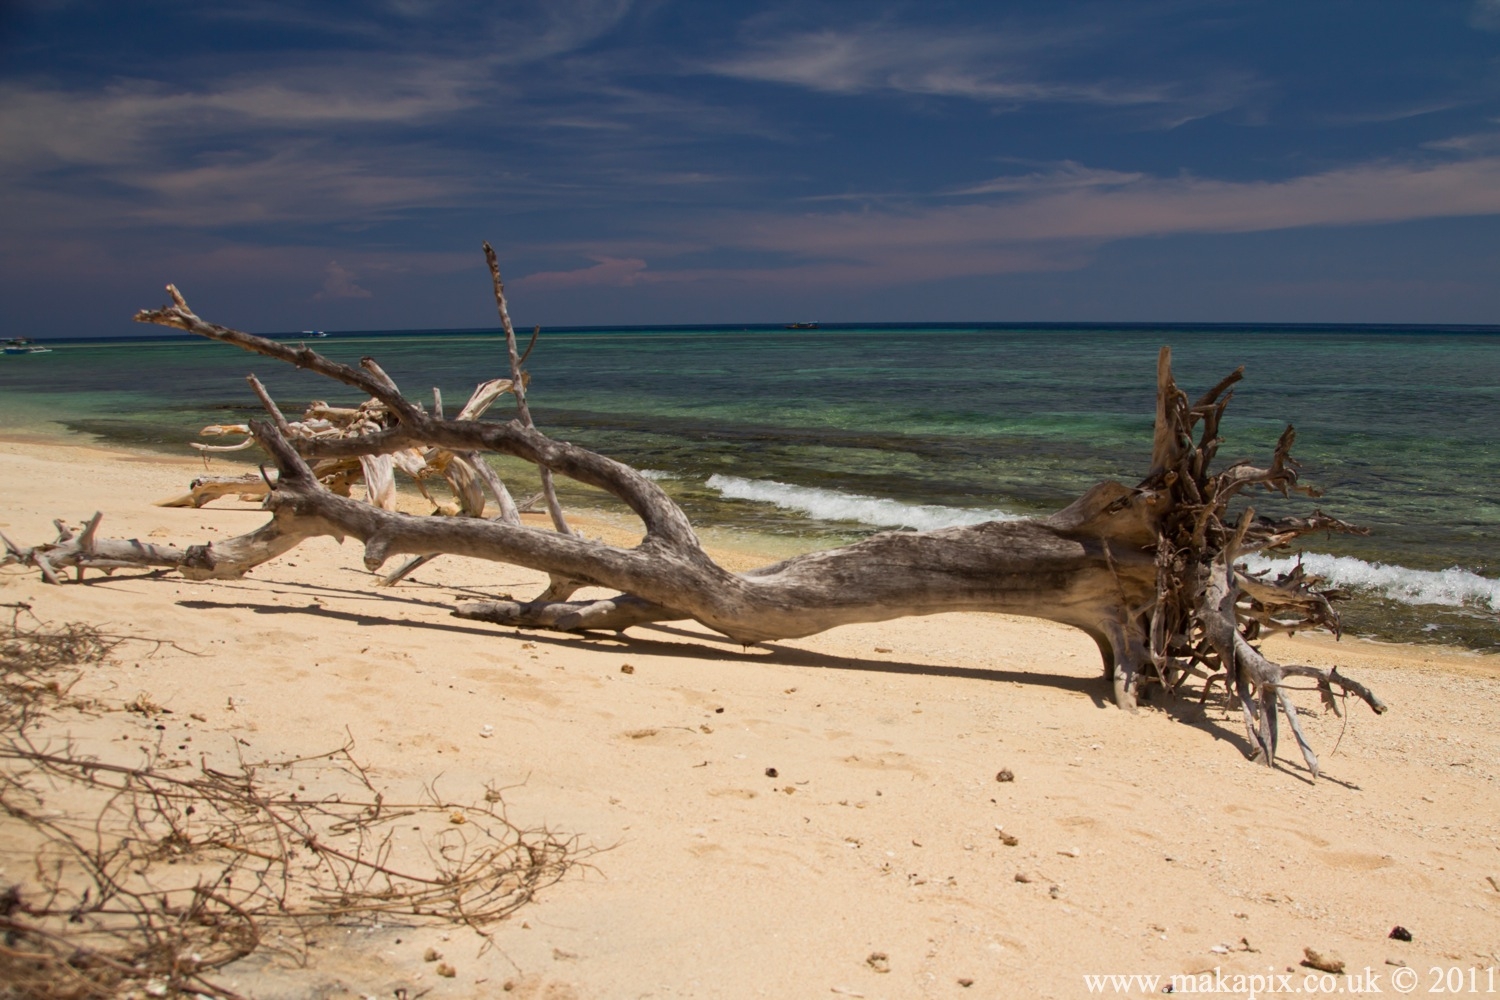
<point x="206" y="489"/>
<point x="561" y="587"/>
<point x="1148" y="571"/>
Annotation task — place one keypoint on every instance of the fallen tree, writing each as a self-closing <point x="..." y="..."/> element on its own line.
<point x="1149" y="571"/>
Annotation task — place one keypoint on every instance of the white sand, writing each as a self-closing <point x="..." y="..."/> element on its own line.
<point x="879" y="833"/>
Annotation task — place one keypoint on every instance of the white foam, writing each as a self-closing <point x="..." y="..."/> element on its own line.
<point x="656" y="474"/>
<point x="833" y="505"/>
<point x="1453" y="586"/>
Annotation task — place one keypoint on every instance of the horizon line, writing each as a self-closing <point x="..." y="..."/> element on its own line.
<point x="845" y="327"/>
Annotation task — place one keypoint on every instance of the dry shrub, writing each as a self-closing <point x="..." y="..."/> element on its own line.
<point x="38" y="664"/>
<point x="147" y="879"/>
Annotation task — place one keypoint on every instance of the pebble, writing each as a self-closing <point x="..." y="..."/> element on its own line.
<point x="1005" y="775"/>
<point x="486" y="732"/>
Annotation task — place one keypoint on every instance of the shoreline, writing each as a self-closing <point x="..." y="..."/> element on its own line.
<point x="737" y="549"/>
<point x="1148" y="843"/>
<point x="996" y="442"/>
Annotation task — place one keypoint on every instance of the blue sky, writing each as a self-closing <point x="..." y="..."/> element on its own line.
<point x="336" y="165"/>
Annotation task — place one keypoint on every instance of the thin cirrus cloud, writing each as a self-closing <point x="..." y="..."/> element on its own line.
<point x="249" y="149"/>
<point x="327" y="188"/>
<point x="1111" y="208"/>
<point x="1068" y="175"/>
<point x="616" y="272"/>
<point x="305" y="184"/>
<point x="1052" y="221"/>
<point x="1485" y="15"/>
<point x="521" y="32"/>
<point x="124" y="121"/>
<point x="974" y="65"/>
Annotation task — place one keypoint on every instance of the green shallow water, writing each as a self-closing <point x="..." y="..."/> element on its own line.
<point x="1398" y="427"/>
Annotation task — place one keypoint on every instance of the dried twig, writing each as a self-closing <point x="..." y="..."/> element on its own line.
<point x="155" y="877"/>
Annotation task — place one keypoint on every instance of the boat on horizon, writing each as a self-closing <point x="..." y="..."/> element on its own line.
<point x="313" y="333"/>
<point x="802" y="326"/>
<point x="25" y="345"/>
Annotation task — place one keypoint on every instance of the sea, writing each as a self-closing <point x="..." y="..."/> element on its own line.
<point x="806" y="438"/>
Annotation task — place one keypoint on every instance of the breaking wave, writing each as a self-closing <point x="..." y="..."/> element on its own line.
<point x="833" y="505"/>
<point x="1454" y="587"/>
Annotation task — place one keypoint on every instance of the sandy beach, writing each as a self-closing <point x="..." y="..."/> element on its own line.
<point x="769" y="819"/>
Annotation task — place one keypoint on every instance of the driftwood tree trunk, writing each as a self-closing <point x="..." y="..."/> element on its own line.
<point x="1148" y="571"/>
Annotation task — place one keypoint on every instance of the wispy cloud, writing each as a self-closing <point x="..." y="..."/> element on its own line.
<point x="621" y="145"/>
<point x="305" y="184"/>
<point x="1063" y="177"/>
<point x="1000" y="68"/>
<point x="308" y="185"/>
<point x="1485" y="15"/>
<point x="978" y="66"/>
<point x="611" y="271"/>
<point x="139" y="119"/>
<point x="516" y="32"/>
<point x="1470" y="143"/>
<point x="1055" y="220"/>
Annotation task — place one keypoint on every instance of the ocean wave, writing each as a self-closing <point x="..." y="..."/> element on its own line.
<point x="1453" y="586"/>
<point x="833" y="505"/>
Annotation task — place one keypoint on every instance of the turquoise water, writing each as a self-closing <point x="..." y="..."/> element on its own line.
<point x="830" y="433"/>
